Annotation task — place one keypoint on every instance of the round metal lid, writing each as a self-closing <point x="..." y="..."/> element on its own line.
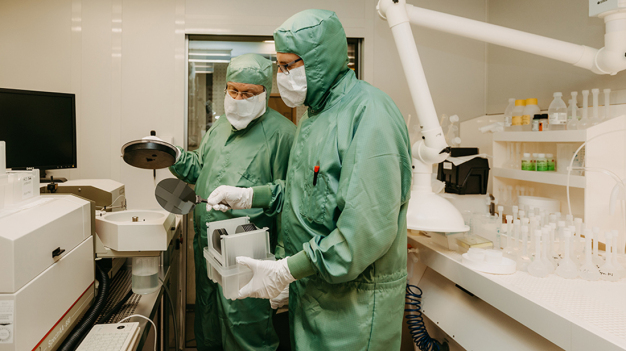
<point x="149" y="154"/>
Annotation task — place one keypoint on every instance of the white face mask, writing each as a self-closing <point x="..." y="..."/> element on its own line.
<point x="241" y="112"/>
<point x="292" y="86"/>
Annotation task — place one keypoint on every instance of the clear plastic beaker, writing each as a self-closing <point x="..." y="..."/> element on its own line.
<point x="145" y="275"/>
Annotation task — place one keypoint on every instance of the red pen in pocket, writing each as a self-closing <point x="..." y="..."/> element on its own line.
<point x="316" y="171"/>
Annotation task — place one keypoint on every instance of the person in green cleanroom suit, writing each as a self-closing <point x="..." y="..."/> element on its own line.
<point x="245" y="150"/>
<point x="344" y="222"/>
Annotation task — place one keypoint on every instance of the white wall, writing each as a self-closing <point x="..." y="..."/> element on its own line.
<point x="124" y="60"/>
<point x="513" y="73"/>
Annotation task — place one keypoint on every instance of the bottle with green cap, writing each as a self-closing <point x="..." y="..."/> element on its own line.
<point x="542" y="163"/>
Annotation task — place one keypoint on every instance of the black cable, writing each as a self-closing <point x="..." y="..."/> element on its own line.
<point x="169" y="298"/>
<point x="89" y="319"/>
<point x="415" y="321"/>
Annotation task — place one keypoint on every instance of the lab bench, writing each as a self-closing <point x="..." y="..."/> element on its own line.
<point x="517" y="312"/>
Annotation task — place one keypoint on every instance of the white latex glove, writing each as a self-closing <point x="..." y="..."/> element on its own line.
<point x="281" y="300"/>
<point x="269" y="278"/>
<point x="154" y="137"/>
<point x="227" y="197"/>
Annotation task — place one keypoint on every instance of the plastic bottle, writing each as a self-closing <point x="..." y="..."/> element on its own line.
<point x="557" y="113"/>
<point x="527" y="164"/>
<point x="607" y="96"/>
<point x="453" y="132"/>
<point x="533" y="161"/>
<point x="572" y="112"/>
<point x="551" y="162"/>
<point x="529" y="112"/>
<point x="518" y="112"/>
<point x="542" y="163"/>
<point x="584" y="122"/>
<point x="508" y="114"/>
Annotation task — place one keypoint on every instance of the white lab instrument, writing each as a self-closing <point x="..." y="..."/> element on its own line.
<point x="608" y="271"/>
<point x="111" y="337"/>
<point x="539" y="267"/>
<point x="136" y="230"/>
<point x="229" y="239"/>
<point x="108" y="194"/>
<point x="589" y="271"/>
<point x="567" y="268"/>
<point x="47" y="275"/>
<point x="585" y="122"/>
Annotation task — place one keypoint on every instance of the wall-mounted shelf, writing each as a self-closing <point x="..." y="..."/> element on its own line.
<point x="556" y="136"/>
<point x="540" y="177"/>
<point x="589" y="194"/>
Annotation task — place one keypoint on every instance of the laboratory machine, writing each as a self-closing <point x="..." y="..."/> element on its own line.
<point x="47" y="260"/>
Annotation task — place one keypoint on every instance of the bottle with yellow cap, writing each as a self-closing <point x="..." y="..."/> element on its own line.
<point x="518" y="112"/>
<point x="530" y="110"/>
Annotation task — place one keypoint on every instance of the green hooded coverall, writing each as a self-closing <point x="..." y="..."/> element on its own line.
<point x="255" y="155"/>
<point x="346" y="234"/>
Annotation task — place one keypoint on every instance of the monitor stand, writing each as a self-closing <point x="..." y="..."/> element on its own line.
<point x="44" y="179"/>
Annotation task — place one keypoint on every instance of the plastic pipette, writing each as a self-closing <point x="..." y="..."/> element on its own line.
<point x="523" y="259"/>
<point x="538" y="267"/>
<point x="608" y="271"/>
<point x="588" y="270"/>
<point x="607" y="97"/>
<point x="567" y="268"/>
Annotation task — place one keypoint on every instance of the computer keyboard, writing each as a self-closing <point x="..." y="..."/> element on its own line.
<point x="111" y="337"/>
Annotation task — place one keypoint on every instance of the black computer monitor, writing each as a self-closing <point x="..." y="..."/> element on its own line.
<point x="39" y="129"/>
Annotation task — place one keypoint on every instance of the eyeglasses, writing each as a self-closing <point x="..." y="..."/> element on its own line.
<point x="285" y="68"/>
<point x="244" y="94"/>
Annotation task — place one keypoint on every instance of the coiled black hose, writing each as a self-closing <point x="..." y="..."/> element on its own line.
<point x="86" y="323"/>
<point x="415" y="321"/>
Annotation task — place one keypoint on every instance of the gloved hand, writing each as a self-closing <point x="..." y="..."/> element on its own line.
<point x="154" y="137"/>
<point x="227" y="197"/>
<point x="269" y="280"/>
<point x="281" y="300"/>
